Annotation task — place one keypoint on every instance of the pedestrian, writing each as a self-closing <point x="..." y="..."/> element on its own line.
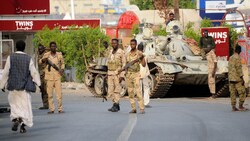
<point x="171" y="18"/>
<point x="53" y="73"/>
<point x="236" y="82"/>
<point x="133" y="77"/>
<point x="212" y="67"/>
<point x="18" y="70"/>
<point x="205" y="43"/>
<point x="116" y="61"/>
<point x="144" y="73"/>
<point x="41" y="68"/>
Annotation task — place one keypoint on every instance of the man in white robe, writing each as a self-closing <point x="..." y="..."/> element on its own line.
<point x="144" y="72"/>
<point x="19" y="99"/>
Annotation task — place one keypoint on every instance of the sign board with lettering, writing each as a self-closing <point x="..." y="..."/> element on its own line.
<point x="221" y="39"/>
<point x="212" y="9"/>
<point x="127" y="20"/>
<point x="24" y="7"/>
<point x="125" y="24"/>
<point x="35" y="25"/>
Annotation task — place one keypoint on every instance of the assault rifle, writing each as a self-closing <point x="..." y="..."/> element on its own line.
<point x="129" y="64"/>
<point x="53" y="66"/>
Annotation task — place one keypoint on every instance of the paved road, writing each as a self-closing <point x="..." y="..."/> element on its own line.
<point x="171" y="119"/>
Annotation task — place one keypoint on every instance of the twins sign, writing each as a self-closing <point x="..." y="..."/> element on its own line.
<point x="221" y="39"/>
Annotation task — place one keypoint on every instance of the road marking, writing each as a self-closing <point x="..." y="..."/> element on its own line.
<point x="124" y="136"/>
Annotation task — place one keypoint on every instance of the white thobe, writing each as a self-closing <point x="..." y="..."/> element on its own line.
<point x="144" y="72"/>
<point x="20" y="101"/>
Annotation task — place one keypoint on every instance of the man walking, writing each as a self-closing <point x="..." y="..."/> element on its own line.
<point x="43" y="87"/>
<point x="18" y="69"/>
<point x="144" y="73"/>
<point x="133" y="77"/>
<point x="53" y="72"/>
<point x="236" y="82"/>
<point x="116" y="60"/>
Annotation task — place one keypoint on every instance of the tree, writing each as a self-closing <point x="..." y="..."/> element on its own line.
<point x="143" y="4"/>
<point x="149" y="4"/>
<point x="163" y="7"/>
<point x="79" y="46"/>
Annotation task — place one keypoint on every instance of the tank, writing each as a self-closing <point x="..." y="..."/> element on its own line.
<point x="174" y="60"/>
<point x="95" y="78"/>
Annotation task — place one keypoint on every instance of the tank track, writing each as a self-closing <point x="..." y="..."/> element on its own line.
<point x="163" y="84"/>
<point x="224" y="89"/>
<point x="91" y="88"/>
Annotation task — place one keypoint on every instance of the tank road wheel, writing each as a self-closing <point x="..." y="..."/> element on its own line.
<point x="88" y="79"/>
<point x="99" y="85"/>
<point x="151" y="82"/>
<point x="123" y="88"/>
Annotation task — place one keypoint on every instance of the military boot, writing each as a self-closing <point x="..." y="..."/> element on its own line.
<point x="115" y="108"/>
<point x="118" y="107"/>
<point x="110" y="109"/>
<point x="234" y="108"/>
<point x="242" y="108"/>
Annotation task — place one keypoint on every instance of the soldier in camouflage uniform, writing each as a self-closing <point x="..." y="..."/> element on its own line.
<point x="133" y="77"/>
<point x="236" y="82"/>
<point x="41" y="67"/>
<point x="212" y="66"/>
<point x="107" y="49"/>
<point x="116" y="61"/>
<point x="205" y="43"/>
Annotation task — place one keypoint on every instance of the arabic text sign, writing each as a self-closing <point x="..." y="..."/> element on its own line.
<point x="221" y="39"/>
<point x="215" y="6"/>
<point x="24" y="7"/>
<point x="35" y="25"/>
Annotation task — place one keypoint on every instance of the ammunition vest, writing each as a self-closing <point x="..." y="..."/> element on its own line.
<point x="114" y="61"/>
<point x="135" y="67"/>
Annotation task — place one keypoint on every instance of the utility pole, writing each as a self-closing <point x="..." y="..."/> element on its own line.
<point x="176" y="10"/>
<point x="72" y="9"/>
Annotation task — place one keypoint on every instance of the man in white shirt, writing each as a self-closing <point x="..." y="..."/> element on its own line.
<point x="144" y="72"/>
<point x="18" y="69"/>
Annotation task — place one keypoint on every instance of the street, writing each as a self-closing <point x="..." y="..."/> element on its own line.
<point x="170" y="119"/>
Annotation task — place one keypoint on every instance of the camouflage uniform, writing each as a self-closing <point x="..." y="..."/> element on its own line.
<point x="53" y="79"/>
<point x="211" y="59"/>
<point x="235" y="75"/>
<point x="107" y="51"/>
<point x="133" y="81"/>
<point x="43" y="87"/>
<point x="204" y="43"/>
<point x="115" y="62"/>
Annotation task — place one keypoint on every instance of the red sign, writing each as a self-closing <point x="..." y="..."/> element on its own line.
<point x="127" y="20"/>
<point x="221" y="39"/>
<point x="13" y="7"/>
<point x="34" y="25"/>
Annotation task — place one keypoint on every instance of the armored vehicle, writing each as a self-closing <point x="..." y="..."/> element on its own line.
<point x="174" y="60"/>
<point x="95" y="78"/>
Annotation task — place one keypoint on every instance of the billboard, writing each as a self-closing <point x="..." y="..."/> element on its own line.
<point x="24" y="7"/>
<point x="221" y="39"/>
<point x="213" y="9"/>
<point x="36" y="25"/>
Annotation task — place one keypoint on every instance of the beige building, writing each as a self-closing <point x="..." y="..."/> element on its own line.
<point x="87" y="6"/>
